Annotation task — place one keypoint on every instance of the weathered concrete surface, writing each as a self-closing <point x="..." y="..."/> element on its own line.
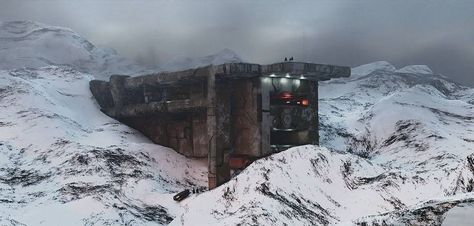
<point x="214" y="111"/>
<point x="246" y="118"/>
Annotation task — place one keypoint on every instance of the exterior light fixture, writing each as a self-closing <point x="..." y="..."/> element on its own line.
<point x="305" y="102"/>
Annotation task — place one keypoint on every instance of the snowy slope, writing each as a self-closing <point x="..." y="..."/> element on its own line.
<point x="63" y="162"/>
<point x="401" y="147"/>
<point x="415" y="69"/>
<point x="32" y="44"/>
<point x="397" y="149"/>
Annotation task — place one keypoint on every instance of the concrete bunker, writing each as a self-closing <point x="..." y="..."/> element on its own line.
<point x="230" y="113"/>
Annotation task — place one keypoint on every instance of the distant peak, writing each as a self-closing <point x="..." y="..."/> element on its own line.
<point x="415" y="69"/>
<point x="374" y="66"/>
<point x="21" y="27"/>
<point x="228" y="54"/>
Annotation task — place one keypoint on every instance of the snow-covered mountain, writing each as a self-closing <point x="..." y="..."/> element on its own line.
<point x="397" y="149"/>
<point x="400" y="151"/>
<point x="33" y="45"/>
<point x="63" y="162"/>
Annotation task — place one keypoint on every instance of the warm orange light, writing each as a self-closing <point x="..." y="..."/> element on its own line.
<point x="305" y="102"/>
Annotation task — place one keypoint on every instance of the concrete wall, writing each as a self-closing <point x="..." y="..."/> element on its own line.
<point x="185" y="132"/>
<point x="246" y="117"/>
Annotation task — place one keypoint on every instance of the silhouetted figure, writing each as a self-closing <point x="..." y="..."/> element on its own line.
<point x="291" y="58"/>
<point x="286" y="59"/>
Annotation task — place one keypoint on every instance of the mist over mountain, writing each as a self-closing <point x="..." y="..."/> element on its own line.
<point x="33" y="45"/>
<point x="397" y="148"/>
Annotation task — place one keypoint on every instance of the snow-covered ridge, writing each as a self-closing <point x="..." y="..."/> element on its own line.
<point x="33" y="45"/>
<point x="417" y="69"/>
<point x="366" y="69"/>
<point x="371" y="67"/>
<point x="63" y="162"/>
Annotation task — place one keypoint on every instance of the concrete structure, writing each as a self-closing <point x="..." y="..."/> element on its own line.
<point x="230" y="113"/>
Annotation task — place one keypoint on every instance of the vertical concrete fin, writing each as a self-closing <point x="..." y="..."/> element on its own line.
<point x="211" y="128"/>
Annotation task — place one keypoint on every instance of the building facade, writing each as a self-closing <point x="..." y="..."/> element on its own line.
<point x="231" y="114"/>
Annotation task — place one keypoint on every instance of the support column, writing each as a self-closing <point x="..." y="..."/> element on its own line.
<point x="211" y="130"/>
<point x="266" y="122"/>
<point x="314" y="105"/>
<point x="219" y="130"/>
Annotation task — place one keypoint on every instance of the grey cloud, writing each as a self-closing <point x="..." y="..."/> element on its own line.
<point x="436" y="33"/>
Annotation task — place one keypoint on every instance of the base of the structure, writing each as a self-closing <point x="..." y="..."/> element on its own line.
<point x="212" y="181"/>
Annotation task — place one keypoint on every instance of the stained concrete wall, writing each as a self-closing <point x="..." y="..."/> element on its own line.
<point x="246" y="115"/>
<point x="181" y="132"/>
<point x="214" y="111"/>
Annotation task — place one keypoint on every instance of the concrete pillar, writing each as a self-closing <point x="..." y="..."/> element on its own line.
<point x="211" y="130"/>
<point x="219" y="131"/>
<point x="314" y="105"/>
<point x="266" y="124"/>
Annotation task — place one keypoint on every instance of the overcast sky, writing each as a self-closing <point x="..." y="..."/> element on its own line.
<point x="439" y="34"/>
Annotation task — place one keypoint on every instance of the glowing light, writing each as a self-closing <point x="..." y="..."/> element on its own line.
<point x="272" y="75"/>
<point x="284" y="80"/>
<point x="305" y="102"/>
<point x="287" y="75"/>
<point x="296" y="82"/>
<point x="302" y="77"/>
<point x="286" y="95"/>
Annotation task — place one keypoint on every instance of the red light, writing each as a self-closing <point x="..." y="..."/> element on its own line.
<point x="286" y="95"/>
<point x="305" y="102"/>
